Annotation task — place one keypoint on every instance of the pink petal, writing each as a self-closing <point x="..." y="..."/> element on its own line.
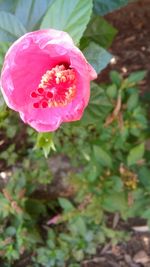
<point x="26" y="62"/>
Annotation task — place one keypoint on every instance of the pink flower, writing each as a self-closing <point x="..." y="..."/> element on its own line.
<point x="46" y="79"/>
<point x="54" y="220"/>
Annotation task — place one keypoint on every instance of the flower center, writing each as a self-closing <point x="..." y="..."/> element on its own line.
<point x="56" y="89"/>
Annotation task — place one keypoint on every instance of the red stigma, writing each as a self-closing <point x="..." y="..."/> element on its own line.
<point x="44" y="104"/>
<point x="36" y="105"/>
<point x="33" y="94"/>
<point x="40" y="90"/>
<point x="49" y="94"/>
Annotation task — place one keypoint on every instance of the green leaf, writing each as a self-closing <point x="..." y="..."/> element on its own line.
<point x="133" y="101"/>
<point x="102" y="7"/>
<point x="144" y="176"/>
<point x="78" y="255"/>
<point x="35" y="207"/>
<point x="70" y="16"/>
<point x="117" y="184"/>
<point x="99" y="31"/>
<point x="78" y="226"/>
<point x="146" y="215"/>
<point x="10" y="231"/>
<point x="111" y="91"/>
<point x="45" y="141"/>
<point x="102" y="157"/>
<point x="97" y="56"/>
<point x="99" y="106"/>
<point x="115" y="202"/>
<point x="4" y="207"/>
<point x="136" y="77"/>
<point x="65" y="204"/>
<point x="92" y="173"/>
<point x="8" y="5"/>
<point x="10" y="27"/>
<point x="74" y="265"/>
<point x="3" y="49"/>
<point x="30" y="12"/>
<point x="116" y="78"/>
<point x="135" y="154"/>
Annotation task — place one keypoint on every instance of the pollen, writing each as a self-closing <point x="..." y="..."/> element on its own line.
<point x="56" y="89"/>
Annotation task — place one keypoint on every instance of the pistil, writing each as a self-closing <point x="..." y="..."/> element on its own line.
<point x="56" y="89"/>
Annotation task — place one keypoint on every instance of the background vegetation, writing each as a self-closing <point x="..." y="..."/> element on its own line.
<point x="58" y="190"/>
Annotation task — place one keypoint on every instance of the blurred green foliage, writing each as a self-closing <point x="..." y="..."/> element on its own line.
<point x="110" y="166"/>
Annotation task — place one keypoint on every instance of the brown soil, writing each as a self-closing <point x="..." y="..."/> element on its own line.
<point x="134" y="253"/>
<point x="131" y="47"/>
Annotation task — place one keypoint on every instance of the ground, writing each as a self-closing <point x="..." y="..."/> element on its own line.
<point x="131" y="47"/>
